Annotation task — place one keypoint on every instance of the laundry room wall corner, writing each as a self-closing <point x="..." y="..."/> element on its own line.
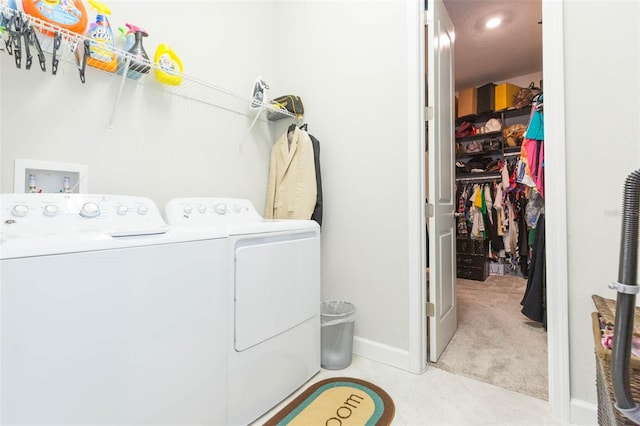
<point x="355" y="86"/>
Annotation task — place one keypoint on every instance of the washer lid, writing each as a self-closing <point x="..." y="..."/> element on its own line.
<point x="233" y="215"/>
<point x="28" y="215"/>
<point x="45" y="224"/>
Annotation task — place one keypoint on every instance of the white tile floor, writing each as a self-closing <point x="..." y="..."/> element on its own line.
<point x="441" y="398"/>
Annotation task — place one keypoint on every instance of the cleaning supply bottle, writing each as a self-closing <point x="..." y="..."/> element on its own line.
<point x="9" y="4"/>
<point x="68" y="14"/>
<point x="101" y="54"/>
<point x="140" y="63"/>
<point x="168" y="66"/>
<point x="130" y="39"/>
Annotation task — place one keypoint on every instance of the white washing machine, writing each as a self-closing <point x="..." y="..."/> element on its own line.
<point x="274" y="282"/>
<point x="108" y="315"/>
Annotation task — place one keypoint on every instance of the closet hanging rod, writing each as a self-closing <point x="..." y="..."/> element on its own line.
<point x="478" y="178"/>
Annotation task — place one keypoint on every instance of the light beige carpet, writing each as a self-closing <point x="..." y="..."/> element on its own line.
<point x="495" y="343"/>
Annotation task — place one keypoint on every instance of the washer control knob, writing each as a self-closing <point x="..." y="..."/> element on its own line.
<point x="122" y="209"/>
<point x="143" y="209"/>
<point x="20" y="210"/>
<point x="50" y="210"/>
<point x="220" y="208"/>
<point x="188" y="209"/>
<point x="90" y="210"/>
<point x="237" y="208"/>
<point x="202" y="209"/>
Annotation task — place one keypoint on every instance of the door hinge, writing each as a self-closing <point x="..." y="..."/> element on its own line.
<point x="431" y="309"/>
<point x="428" y="113"/>
<point x="430" y="211"/>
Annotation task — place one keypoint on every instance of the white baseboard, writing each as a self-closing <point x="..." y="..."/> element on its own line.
<point x="382" y="353"/>
<point x="583" y="412"/>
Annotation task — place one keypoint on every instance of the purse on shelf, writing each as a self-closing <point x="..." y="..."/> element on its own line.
<point x="492" y="125"/>
<point x="492" y="144"/>
<point x="473" y="147"/>
<point x="514" y="134"/>
<point x="522" y="98"/>
<point x="465" y="129"/>
<point x="291" y="103"/>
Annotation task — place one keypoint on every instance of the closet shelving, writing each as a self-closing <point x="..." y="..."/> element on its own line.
<point x="507" y="117"/>
<point x="471" y="254"/>
<point x="71" y="48"/>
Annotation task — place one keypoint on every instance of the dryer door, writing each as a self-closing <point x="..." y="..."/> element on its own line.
<point x="277" y="285"/>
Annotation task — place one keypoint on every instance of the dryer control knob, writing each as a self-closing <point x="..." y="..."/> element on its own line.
<point x="202" y="209"/>
<point x="20" y="210"/>
<point x="143" y="209"/>
<point x="50" y="210"/>
<point x="90" y="210"/>
<point x="237" y="208"/>
<point x="122" y="209"/>
<point x="188" y="209"/>
<point x="220" y="208"/>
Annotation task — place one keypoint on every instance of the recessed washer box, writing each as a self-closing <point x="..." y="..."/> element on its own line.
<point x="50" y="176"/>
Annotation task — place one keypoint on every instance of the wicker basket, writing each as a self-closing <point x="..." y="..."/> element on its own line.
<point x="607" y="413"/>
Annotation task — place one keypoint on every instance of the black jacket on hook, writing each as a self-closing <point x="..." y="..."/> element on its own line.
<point x="317" y="211"/>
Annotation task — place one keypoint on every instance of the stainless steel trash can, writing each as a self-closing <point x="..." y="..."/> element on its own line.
<point x="337" y="321"/>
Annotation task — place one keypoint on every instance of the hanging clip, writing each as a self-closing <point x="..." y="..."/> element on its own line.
<point x="26" y="32"/>
<point x="57" y="41"/>
<point x="33" y="38"/>
<point x="16" y="36"/>
<point x="624" y="288"/>
<point x="82" y="53"/>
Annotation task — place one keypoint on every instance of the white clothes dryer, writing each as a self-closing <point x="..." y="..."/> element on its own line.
<point x="274" y="288"/>
<point x="108" y="316"/>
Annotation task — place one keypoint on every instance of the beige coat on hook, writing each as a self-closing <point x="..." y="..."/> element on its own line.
<point x="291" y="189"/>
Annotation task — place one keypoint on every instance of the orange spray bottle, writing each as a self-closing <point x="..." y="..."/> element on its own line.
<point x="101" y="54"/>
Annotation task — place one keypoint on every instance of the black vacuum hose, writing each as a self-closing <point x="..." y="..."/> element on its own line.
<point x="626" y="300"/>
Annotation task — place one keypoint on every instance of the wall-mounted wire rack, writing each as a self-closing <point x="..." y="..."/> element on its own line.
<point x="25" y="35"/>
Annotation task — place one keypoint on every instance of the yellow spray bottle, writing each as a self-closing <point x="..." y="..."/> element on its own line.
<point x="101" y="54"/>
<point x="168" y="69"/>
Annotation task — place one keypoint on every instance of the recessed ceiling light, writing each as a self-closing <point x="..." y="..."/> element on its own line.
<point x="493" y="22"/>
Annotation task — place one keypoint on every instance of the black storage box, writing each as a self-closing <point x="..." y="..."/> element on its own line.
<point x="486" y="98"/>
<point x="471" y="261"/>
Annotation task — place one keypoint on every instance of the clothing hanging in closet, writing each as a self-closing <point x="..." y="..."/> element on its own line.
<point x="534" y="304"/>
<point x="534" y="300"/>
<point x="495" y="211"/>
<point x="531" y="171"/>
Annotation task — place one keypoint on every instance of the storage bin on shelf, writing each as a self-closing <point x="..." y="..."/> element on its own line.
<point x="467" y="102"/>
<point x="504" y="95"/>
<point x="486" y="98"/>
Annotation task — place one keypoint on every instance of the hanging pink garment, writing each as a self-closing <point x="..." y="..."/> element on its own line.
<point x="532" y="154"/>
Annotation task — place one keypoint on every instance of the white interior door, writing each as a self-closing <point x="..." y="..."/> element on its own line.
<point x="442" y="236"/>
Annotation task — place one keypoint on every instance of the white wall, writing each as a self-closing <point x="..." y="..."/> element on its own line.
<point x="602" y="102"/>
<point x="350" y="68"/>
<point x="348" y="62"/>
<point x="161" y="146"/>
